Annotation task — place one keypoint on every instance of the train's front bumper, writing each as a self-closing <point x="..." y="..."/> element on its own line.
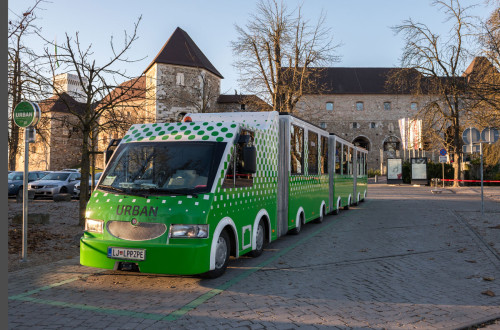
<point x="181" y="257"/>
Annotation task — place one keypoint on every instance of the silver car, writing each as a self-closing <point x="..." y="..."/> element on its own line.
<point x="76" y="191"/>
<point x="55" y="183"/>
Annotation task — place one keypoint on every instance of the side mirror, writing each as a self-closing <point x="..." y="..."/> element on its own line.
<point x="111" y="149"/>
<point x="249" y="160"/>
<point x="109" y="153"/>
<point x="244" y="139"/>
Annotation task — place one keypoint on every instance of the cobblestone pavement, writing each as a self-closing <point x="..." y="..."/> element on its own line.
<point x="405" y="258"/>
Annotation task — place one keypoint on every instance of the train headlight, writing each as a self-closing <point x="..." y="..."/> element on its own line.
<point x="94" y="226"/>
<point x="188" y="231"/>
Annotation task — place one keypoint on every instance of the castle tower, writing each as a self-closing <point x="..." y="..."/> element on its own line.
<point x="70" y="84"/>
<point x="181" y="79"/>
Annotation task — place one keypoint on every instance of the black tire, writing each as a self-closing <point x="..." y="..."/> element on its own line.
<point x="63" y="190"/>
<point x="321" y="217"/>
<point x="296" y="230"/>
<point x="337" y="209"/>
<point x="221" y="258"/>
<point x="260" y="241"/>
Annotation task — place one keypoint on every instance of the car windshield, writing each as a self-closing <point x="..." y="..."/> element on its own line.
<point x="163" y="168"/>
<point x="15" y="176"/>
<point x="56" y="176"/>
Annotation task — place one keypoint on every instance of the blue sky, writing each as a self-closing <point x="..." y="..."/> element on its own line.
<point x="361" y="26"/>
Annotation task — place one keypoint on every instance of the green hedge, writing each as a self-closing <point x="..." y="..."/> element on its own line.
<point x="434" y="170"/>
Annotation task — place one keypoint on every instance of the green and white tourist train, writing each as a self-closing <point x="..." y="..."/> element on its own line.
<point x="181" y="198"/>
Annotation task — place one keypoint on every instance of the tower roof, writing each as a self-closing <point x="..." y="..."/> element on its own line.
<point x="180" y="49"/>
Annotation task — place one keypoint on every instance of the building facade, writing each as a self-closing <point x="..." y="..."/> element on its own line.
<point x="357" y="105"/>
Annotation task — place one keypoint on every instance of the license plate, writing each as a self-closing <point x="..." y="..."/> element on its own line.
<point x="127" y="254"/>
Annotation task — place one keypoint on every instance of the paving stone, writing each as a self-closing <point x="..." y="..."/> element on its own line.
<point x="403" y="259"/>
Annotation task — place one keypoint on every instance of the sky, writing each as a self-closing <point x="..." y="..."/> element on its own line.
<point x="361" y="27"/>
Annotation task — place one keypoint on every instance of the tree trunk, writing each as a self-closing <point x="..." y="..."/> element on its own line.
<point x="84" y="182"/>
<point x="13" y="145"/>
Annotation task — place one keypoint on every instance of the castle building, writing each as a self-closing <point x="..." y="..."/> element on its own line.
<point x="356" y="104"/>
<point x="353" y="103"/>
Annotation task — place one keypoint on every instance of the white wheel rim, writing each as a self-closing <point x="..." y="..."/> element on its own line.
<point x="260" y="238"/>
<point x="220" y="252"/>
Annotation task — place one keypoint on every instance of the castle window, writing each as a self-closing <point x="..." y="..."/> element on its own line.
<point x="322" y="124"/>
<point x="359" y="106"/>
<point x="373" y="125"/>
<point x="414" y="106"/>
<point x="329" y="106"/>
<point x="242" y="107"/>
<point x="387" y="106"/>
<point x="180" y="79"/>
<point x="355" y="125"/>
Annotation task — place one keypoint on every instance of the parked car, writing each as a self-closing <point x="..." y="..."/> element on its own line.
<point x="70" y="170"/>
<point x="55" y="183"/>
<point x="76" y="191"/>
<point x="15" y="180"/>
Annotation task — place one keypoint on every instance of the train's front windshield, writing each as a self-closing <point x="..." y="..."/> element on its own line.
<point x="163" y="168"/>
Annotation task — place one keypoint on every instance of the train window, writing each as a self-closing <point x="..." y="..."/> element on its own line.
<point x="345" y="160"/>
<point x="312" y="153"/>
<point x="338" y="158"/>
<point x="324" y="155"/>
<point x="297" y="150"/>
<point x="350" y="161"/>
<point x="358" y="163"/>
<point x="238" y="179"/>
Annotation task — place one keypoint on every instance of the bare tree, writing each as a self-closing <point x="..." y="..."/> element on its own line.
<point x="484" y="74"/>
<point x="435" y="64"/>
<point x="97" y="107"/>
<point x="200" y="95"/>
<point x="275" y="51"/>
<point x="21" y="84"/>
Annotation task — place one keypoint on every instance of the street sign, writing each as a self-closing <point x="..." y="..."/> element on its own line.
<point x="443" y="159"/>
<point x="442" y="152"/>
<point x="470" y="149"/>
<point x="471" y="135"/>
<point x="489" y="135"/>
<point x="26" y="114"/>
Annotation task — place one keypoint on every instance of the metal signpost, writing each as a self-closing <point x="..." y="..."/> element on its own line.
<point x="443" y="159"/>
<point x="472" y="137"/>
<point x="26" y="115"/>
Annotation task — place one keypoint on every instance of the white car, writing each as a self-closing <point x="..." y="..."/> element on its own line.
<point x="55" y="183"/>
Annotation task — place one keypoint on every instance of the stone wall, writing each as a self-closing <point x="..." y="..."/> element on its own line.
<point x="177" y="90"/>
<point x="374" y="123"/>
<point x="58" y="144"/>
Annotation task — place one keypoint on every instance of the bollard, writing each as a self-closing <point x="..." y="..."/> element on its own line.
<point x="376" y="178"/>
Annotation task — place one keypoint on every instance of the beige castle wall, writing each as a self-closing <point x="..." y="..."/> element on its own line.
<point x="171" y="99"/>
<point x="340" y="120"/>
<point x="57" y="145"/>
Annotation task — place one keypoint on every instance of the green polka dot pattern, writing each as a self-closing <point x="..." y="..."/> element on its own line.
<point x="180" y="132"/>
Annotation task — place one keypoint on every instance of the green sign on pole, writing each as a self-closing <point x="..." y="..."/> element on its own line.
<point x="26" y="114"/>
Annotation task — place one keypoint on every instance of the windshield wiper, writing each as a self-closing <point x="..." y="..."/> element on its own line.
<point x="110" y="188"/>
<point x="176" y="192"/>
